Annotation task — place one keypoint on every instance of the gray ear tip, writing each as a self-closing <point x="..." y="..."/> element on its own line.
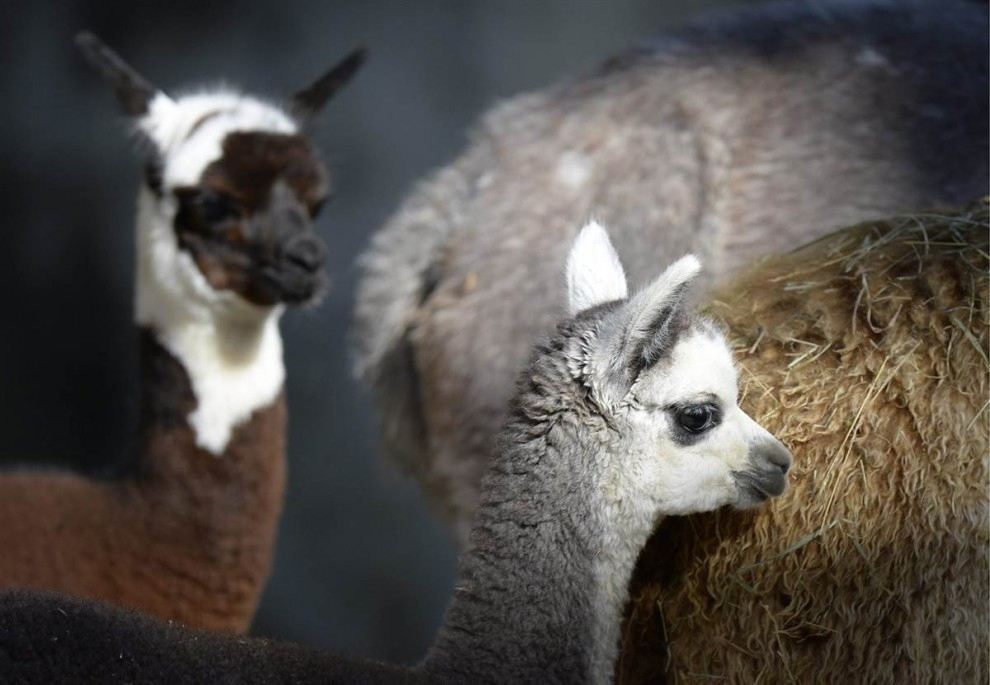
<point x="353" y="62"/>
<point x="88" y="42"/>
<point x="132" y="90"/>
<point x="311" y="99"/>
<point x="350" y="65"/>
<point x="359" y="55"/>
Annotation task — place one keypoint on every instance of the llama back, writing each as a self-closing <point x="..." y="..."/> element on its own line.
<point x="747" y="135"/>
<point x="866" y="352"/>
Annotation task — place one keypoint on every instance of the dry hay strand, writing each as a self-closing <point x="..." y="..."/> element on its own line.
<point x="866" y="353"/>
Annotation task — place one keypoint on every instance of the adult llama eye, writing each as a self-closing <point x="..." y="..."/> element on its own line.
<point x="698" y="418"/>
<point x="317" y="207"/>
<point x="215" y="208"/>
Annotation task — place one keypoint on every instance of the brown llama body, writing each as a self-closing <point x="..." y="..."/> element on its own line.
<point x="188" y="536"/>
<point x="866" y="352"/>
<point x="225" y="243"/>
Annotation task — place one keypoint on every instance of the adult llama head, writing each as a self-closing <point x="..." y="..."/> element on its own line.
<point x="231" y="188"/>
<point x="225" y="232"/>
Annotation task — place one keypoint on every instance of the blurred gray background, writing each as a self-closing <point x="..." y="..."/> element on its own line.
<point x="361" y="565"/>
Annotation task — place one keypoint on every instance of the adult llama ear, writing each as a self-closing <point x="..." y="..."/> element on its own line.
<point x="594" y="272"/>
<point x="651" y="315"/>
<point x="308" y="101"/>
<point x="133" y="91"/>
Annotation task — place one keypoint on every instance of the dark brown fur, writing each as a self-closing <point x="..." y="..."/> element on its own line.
<point x="249" y="209"/>
<point x="253" y="161"/>
<point x="188" y="536"/>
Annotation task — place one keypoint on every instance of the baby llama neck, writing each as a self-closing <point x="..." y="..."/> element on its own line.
<point x="542" y="586"/>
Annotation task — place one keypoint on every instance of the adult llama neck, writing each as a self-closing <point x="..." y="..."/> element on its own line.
<point x="230" y="350"/>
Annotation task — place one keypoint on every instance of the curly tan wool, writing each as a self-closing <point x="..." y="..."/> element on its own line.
<point x="866" y="353"/>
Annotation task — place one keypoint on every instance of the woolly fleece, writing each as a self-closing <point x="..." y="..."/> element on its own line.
<point x="866" y="353"/>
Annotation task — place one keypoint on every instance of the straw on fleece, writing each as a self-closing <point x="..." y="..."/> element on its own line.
<point x="866" y="353"/>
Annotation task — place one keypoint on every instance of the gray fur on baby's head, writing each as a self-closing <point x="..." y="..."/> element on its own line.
<point x="636" y="335"/>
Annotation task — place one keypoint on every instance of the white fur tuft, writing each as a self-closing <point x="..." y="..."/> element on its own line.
<point x="573" y="170"/>
<point x="234" y="368"/>
<point x="594" y="272"/>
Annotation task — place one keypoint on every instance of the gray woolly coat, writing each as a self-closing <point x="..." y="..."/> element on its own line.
<point x="743" y="136"/>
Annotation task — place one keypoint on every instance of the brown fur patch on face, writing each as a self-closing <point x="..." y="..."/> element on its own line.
<point x="238" y="228"/>
<point x="220" y="273"/>
<point x="253" y="161"/>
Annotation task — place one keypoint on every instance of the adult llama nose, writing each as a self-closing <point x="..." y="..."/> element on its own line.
<point x="306" y="251"/>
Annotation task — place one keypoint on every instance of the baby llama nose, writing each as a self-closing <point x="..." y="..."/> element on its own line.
<point x="775" y="454"/>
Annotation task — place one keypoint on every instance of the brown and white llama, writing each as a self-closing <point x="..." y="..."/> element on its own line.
<point x="224" y="243"/>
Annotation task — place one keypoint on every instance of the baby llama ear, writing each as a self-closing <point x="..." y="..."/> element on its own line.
<point x="651" y="313"/>
<point x="594" y="272"/>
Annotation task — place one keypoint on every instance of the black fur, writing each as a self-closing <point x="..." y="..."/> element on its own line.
<point x="310" y="100"/>
<point x="133" y="91"/>
<point x="48" y="639"/>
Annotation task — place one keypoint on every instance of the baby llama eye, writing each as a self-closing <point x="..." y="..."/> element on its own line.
<point x="697" y="418"/>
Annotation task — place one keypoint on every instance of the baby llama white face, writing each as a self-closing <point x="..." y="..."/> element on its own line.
<point x="695" y="448"/>
<point x="665" y="379"/>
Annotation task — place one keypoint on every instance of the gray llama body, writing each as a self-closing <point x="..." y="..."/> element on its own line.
<point x="737" y="138"/>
